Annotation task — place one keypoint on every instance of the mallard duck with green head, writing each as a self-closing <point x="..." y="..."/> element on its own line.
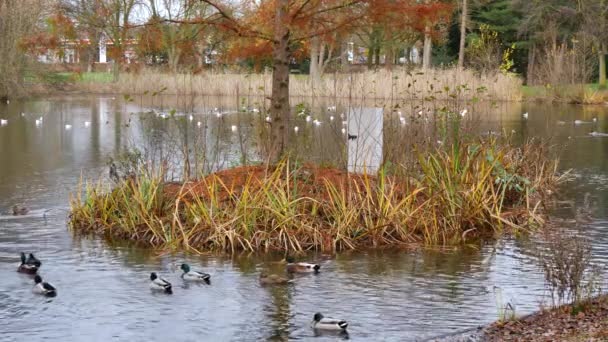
<point x="159" y="284"/>
<point x="44" y="288"/>
<point x="301" y="267"/>
<point x="29" y="265"/>
<point x="194" y="275"/>
<point x="324" y="323"/>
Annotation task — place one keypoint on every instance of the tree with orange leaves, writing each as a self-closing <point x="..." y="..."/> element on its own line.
<point x="284" y="24"/>
<point x="391" y="23"/>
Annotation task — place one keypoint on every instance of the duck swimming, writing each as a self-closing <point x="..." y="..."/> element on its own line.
<point x="301" y="267"/>
<point x="29" y="266"/>
<point x="32" y="260"/>
<point x="324" y="323"/>
<point x="44" y="288"/>
<point x="19" y="210"/>
<point x="194" y="275"/>
<point x="159" y="284"/>
<point x="272" y="279"/>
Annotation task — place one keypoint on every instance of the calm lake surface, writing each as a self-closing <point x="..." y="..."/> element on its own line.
<point x="385" y="295"/>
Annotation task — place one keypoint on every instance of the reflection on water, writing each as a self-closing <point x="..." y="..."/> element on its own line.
<point x="385" y="295"/>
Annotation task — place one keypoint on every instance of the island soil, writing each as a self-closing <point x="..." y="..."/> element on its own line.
<point x="585" y="322"/>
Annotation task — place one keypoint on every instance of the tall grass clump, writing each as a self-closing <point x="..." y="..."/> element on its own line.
<point x="459" y="192"/>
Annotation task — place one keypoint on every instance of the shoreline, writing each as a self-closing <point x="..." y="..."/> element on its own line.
<point x="585" y="321"/>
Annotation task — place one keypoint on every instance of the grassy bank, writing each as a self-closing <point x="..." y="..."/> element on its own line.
<point x="458" y="193"/>
<point x="576" y="93"/>
<point x="399" y="83"/>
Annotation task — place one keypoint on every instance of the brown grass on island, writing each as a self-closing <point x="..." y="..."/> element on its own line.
<point x="457" y="194"/>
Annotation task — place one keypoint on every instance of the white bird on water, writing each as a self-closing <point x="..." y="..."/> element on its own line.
<point x="402" y="120"/>
<point x="22" y="114"/>
<point x="234" y="128"/>
<point x="296" y="129"/>
<point x="191" y="117"/>
<point x="594" y="119"/>
<point x="38" y="122"/>
<point x="198" y="123"/>
<point x="255" y="110"/>
<point x="525" y="115"/>
<point x="343" y="130"/>
<point x="68" y="127"/>
<point x="317" y="122"/>
<point x="268" y="119"/>
<point x="331" y="108"/>
<point x="463" y="112"/>
<point x="308" y="118"/>
<point x="331" y="118"/>
<point x="344" y="123"/>
<point x="3" y="122"/>
<point x="87" y="123"/>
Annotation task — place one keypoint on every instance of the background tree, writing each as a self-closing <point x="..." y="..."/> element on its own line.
<point x="595" y="25"/>
<point x="464" y="12"/>
<point x="284" y="24"/>
<point x="88" y="21"/>
<point x="19" y="19"/>
<point x="117" y="28"/>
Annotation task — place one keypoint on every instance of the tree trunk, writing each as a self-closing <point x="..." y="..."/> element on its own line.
<point x="115" y="70"/>
<point x="322" y="64"/>
<point x="91" y="58"/>
<point x="344" y="54"/>
<point x="428" y="46"/>
<point x="463" y="34"/>
<point x="173" y="58"/>
<point x="389" y="59"/>
<point x="314" y="59"/>
<point x="279" y="108"/>
<point x="377" y="56"/>
<point x="531" y="64"/>
<point x="602" y="62"/>
<point x="370" y="56"/>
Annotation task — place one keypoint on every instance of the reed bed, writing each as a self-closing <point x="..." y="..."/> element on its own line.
<point x="459" y="192"/>
<point x="385" y="85"/>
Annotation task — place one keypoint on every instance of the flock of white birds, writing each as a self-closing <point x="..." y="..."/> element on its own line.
<point x="309" y="119"/>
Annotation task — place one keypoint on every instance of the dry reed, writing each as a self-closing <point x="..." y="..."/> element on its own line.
<point x="398" y="83"/>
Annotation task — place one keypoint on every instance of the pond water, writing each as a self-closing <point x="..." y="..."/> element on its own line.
<point x="385" y="295"/>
